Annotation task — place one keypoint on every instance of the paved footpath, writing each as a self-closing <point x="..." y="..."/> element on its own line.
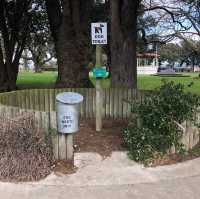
<point x="115" y="177"/>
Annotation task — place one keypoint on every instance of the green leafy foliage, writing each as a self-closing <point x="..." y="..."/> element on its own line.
<point x="157" y="117"/>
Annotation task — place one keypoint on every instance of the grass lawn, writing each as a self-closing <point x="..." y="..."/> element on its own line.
<point x="36" y="80"/>
<point x="148" y="82"/>
<point x="145" y="82"/>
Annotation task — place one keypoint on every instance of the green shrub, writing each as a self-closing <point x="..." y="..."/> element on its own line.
<point x="156" y="131"/>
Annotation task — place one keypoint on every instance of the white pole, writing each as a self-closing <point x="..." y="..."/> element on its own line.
<point x="156" y="55"/>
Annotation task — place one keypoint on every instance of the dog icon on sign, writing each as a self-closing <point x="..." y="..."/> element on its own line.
<point x="99" y="29"/>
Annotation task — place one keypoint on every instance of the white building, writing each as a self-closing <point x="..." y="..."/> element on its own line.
<point x="147" y="63"/>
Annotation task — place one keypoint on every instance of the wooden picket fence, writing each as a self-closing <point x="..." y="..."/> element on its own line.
<point x="44" y="120"/>
<point x="41" y="104"/>
<point x="114" y="100"/>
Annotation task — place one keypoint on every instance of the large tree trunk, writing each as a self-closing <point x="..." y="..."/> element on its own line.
<point x="70" y="32"/>
<point x="13" y="36"/>
<point x="37" y="65"/>
<point x="7" y="69"/>
<point x="3" y="76"/>
<point x="7" y="80"/>
<point x="8" y="74"/>
<point x="123" y="43"/>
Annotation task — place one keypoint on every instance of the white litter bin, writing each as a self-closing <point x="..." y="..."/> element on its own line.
<point x="67" y="106"/>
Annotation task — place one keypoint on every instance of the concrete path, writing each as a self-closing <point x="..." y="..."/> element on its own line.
<point x="115" y="177"/>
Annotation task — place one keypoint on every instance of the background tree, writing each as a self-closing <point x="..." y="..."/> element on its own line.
<point x="146" y="35"/>
<point x="42" y="51"/>
<point x="15" y="20"/>
<point x="170" y="53"/>
<point x="190" y="55"/>
<point x="180" y="53"/>
<point x="177" y="19"/>
<point x="39" y="41"/>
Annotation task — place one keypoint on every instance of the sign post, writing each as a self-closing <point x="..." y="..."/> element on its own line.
<point x="98" y="90"/>
<point x="99" y="38"/>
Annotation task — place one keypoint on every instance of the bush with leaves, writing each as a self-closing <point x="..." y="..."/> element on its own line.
<point x="158" y="115"/>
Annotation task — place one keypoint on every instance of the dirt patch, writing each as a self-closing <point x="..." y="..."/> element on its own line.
<point x="24" y="152"/>
<point x="170" y="159"/>
<point x="104" y="142"/>
<point x="88" y="140"/>
<point x="64" y="167"/>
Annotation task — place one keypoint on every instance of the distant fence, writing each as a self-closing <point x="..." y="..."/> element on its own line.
<point x="41" y="104"/>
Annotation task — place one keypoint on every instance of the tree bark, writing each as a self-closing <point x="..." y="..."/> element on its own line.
<point x="8" y="72"/>
<point x="70" y="31"/>
<point x="13" y="36"/>
<point x="7" y="81"/>
<point x="3" y="76"/>
<point x="123" y="43"/>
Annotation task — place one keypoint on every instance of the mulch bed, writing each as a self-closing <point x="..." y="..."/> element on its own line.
<point x="64" y="167"/>
<point x="170" y="159"/>
<point x="24" y="154"/>
<point x="88" y="140"/>
<point x="104" y="142"/>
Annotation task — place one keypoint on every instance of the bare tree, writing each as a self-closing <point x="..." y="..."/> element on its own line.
<point x="176" y="18"/>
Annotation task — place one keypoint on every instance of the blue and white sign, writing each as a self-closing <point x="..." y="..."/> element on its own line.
<point x="99" y="33"/>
